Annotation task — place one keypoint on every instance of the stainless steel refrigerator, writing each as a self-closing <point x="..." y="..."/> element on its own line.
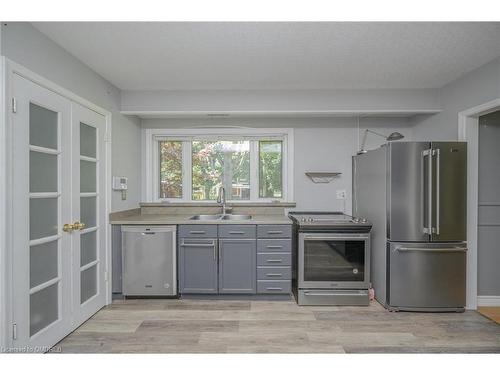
<point x="414" y="193"/>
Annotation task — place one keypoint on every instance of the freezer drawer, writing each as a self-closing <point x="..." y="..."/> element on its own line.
<point x="427" y="276"/>
<point x="149" y="260"/>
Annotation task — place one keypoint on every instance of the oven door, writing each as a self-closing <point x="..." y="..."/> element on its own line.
<point x="329" y="260"/>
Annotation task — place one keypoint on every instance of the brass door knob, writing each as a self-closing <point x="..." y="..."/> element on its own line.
<point x="78" y="226"/>
<point x="68" y="227"/>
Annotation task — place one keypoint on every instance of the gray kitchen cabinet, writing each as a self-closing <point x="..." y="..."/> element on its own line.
<point x="237" y="264"/>
<point x="198" y="266"/>
<point x="234" y="259"/>
<point x="274" y="259"/>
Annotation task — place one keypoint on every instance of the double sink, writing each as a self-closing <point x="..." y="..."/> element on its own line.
<point x="221" y="217"/>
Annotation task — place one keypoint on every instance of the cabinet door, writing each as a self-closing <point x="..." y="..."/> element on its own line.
<point x="237" y="266"/>
<point x="198" y="266"/>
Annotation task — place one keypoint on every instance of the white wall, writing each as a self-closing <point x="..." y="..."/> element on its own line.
<point x="25" y="45"/>
<point x="477" y="87"/>
<point x="321" y="145"/>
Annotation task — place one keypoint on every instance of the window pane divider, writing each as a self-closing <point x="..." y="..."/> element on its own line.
<point x="88" y="230"/>
<point x="89" y="265"/>
<point x="45" y="285"/>
<point x="88" y="158"/>
<point x="44" y="150"/>
<point x="45" y="195"/>
<point x="40" y="241"/>
<point x="85" y="195"/>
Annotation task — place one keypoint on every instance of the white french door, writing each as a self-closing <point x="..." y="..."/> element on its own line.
<point x="58" y="215"/>
<point x="89" y="209"/>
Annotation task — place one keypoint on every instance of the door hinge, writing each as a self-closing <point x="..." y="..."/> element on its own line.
<point x="106" y="137"/>
<point x="14" y="331"/>
<point x="14" y="105"/>
<point x="105" y="275"/>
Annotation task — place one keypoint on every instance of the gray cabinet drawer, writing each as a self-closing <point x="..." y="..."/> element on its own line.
<point x="274" y="273"/>
<point x="197" y="231"/>
<point x="274" y="231"/>
<point x="274" y="246"/>
<point x="274" y="259"/>
<point x="274" y="287"/>
<point x="237" y="231"/>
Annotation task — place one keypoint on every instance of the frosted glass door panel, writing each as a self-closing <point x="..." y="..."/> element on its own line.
<point x="43" y="217"/>
<point x="43" y="263"/>
<point x="88" y="141"/>
<point x="88" y="286"/>
<point x="44" y="308"/>
<point x="43" y="172"/>
<point x="43" y="127"/>
<point x="87" y="176"/>
<point x="88" y="211"/>
<point x="88" y="247"/>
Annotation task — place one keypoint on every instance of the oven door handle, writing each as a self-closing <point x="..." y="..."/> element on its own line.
<point x="319" y="294"/>
<point x="334" y="238"/>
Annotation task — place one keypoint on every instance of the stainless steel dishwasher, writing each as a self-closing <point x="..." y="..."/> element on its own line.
<point x="149" y="260"/>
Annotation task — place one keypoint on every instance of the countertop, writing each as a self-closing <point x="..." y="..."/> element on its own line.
<point x="184" y="219"/>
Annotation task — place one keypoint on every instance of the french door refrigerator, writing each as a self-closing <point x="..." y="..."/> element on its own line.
<point x="414" y="193"/>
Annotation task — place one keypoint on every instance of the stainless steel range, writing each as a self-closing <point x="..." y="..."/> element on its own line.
<point x="331" y="258"/>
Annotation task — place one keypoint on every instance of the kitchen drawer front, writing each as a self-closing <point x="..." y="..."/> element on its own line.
<point x="237" y="231"/>
<point x="197" y="231"/>
<point x="274" y="231"/>
<point x="274" y="246"/>
<point x="274" y="287"/>
<point x="274" y="273"/>
<point x="274" y="259"/>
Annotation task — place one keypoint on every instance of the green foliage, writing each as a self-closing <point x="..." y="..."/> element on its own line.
<point x="170" y="169"/>
<point x="216" y="163"/>
<point x="220" y="162"/>
<point x="270" y="169"/>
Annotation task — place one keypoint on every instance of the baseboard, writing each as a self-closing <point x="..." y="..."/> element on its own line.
<point x="488" y="300"/>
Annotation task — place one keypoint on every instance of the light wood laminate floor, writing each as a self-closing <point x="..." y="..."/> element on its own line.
<point x="222" y="326"/>
<point x="491" y="312"/>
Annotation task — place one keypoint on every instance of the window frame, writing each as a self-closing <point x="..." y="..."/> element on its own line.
<point x="151" y="160"/>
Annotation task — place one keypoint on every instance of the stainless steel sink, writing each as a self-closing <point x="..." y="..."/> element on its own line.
<point x="206" y="217"/>
<point x="221" y="217"/>
<point x="236" y="217"/>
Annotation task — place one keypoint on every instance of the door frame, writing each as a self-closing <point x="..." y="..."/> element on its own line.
<point x="468" y="131"/>
<point x="7" y="70"/>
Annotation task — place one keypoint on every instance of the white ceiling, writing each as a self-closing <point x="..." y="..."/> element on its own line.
<point x="332" y="55"/>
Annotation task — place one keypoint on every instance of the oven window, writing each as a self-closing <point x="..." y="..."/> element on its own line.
<point x="334" y="260"/>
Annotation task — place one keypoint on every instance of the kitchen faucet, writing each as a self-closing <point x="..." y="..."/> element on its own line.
<point x="221" y="198"/>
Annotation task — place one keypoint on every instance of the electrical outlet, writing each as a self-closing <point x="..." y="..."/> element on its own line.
<point x="341" y="194"/>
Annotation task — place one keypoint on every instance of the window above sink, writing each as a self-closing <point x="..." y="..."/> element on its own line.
<point x="188" y="165"/>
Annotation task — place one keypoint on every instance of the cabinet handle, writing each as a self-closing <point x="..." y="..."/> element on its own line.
<point x="236" y="232"/>
<point x="274" y="232"/>
<point x="212" y="244"/>
<point x="274" y="274"/>
<point x="274" y="247"/>
<point x="274" y="288"/>
<point x="275" y="260"/>
<point x="197" y="232"/>
<point x="219" y="251"/>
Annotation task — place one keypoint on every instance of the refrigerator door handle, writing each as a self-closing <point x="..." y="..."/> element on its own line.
<point x="433" y="250"/>
<point x="438" y="192"/>
<point x="428" y="204"/>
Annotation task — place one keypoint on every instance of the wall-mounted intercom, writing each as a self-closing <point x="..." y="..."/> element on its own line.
<point x="120" y="183"/>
